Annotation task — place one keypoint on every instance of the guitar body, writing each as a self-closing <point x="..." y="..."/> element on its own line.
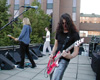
<point x="52" y="64"/>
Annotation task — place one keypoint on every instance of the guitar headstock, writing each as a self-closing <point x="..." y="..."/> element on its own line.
<point x="78" y="42"/>
<point x="9" y="35"/>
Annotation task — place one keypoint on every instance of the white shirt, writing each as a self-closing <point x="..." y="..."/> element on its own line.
<point x="48" y="34"/>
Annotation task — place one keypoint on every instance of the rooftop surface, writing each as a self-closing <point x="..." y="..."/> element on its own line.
<point x="79" y="68"/>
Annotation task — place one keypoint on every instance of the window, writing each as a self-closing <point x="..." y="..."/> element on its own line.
<point x="89" y="33"/>
<point x="74" y="16"/>
<point x="8" y="2"/>
<point x="16" y="1"/>
<point x="83" y="33"/>
<point x="87" y="18"/>
<point x="49" y="5"/>
<point x="95" y="33"/>
<point x="49" y="11"/>
<point x="27" y="1"/>
<point x="16" y="5"/>
<point x="27" y="4"/>
<point x="74" y="3"/>
<point x="74" y="9"/>
<point x="39" y="1"/>
<point x="49" y="1"/>
<point x="16" y="13"/>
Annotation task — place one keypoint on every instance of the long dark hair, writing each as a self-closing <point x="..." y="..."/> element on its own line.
<point x="69" y="24"/>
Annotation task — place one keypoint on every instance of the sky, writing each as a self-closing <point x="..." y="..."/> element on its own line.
<point x="90" y="6"/>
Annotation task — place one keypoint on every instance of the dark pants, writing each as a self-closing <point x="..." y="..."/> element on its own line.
<point x="24" y="48"/>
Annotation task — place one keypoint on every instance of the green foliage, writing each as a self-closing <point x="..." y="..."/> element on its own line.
<point x="4" y="40"/>
<point x="39" y="20"/>
<point x="3" y="12"/>
<point x="53" y="38"/>
<point x="13" y="29"/>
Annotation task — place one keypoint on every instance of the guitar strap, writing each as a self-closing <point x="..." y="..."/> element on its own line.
<point x="66" y="40"/>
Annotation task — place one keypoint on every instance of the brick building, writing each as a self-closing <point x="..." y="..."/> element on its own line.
<point x="86" y="24"/>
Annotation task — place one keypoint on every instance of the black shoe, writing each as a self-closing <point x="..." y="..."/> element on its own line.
<point x="33" y="66"/>
<point x="20" y="67"/>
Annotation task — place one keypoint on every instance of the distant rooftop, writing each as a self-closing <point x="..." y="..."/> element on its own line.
<point x="89" y="15"/>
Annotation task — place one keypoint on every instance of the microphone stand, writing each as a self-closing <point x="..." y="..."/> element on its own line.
<point x="13" y="50"/>
<point x="14" y="19"/>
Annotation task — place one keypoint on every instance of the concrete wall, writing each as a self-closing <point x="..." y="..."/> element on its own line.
<point x="56" y="14"/>
<point x="21" y="9"/>
<point x="64" y="6"/>
<point x="44" y="5"/>
<point x="11" y="9"/>
<point x="90" y="26"/>
<point x="77" y="14"/>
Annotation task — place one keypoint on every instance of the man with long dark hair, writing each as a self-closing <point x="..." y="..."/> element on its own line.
<point x="65" y="28"/>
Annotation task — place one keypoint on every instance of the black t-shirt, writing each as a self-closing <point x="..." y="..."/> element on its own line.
<point x="61" y="40"/>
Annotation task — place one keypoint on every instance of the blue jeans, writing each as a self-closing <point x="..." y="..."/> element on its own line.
<point x="59" y="70"/>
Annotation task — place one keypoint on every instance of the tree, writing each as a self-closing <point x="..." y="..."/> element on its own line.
<point x="4" y="40"/>
<point x="39" y="20"/>
<point x="13" y="29"/>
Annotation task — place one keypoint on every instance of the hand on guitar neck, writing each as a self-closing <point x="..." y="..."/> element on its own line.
<point x="16" y="39"/>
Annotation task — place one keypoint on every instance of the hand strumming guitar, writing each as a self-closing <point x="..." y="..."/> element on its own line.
<point x="16" y="39"/>
<point x="51" y="57"/>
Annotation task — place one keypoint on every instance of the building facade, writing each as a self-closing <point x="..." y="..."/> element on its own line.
<point x="89" y="26"/>
<point x="85" y="25"/>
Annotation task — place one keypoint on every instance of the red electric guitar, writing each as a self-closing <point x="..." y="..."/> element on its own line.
<point x="52" y="64"/>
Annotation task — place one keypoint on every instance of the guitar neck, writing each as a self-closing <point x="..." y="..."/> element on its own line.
<point x="69" y="48"/>
<point x="13" y="37"/>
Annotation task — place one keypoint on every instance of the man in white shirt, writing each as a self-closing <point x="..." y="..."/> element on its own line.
<point x="47" y="41"/>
